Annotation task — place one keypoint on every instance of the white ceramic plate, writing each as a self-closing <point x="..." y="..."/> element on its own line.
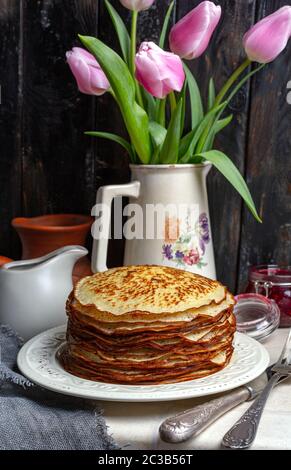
<point x="37" y="361"/>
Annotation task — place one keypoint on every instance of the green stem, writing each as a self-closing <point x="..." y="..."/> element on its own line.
<point x="173" y="102"/>
<point x="232" y="79"/>
<point x="139" y="95"/>
<point x="132" y="55"/>
<point x="235" y="90"/>
<point x="162" y="112"/>
<point x="133" y="41"/>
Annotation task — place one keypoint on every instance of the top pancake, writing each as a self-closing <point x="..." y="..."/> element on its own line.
<point x="149" y="289"/>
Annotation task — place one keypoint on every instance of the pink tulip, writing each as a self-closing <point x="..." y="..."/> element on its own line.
<point x="159" y="72"/>
<point x="90" y="77"/>
<point x="269" y="37"/>
<point x="137" y="5"/>
<point x="190" y="37"/>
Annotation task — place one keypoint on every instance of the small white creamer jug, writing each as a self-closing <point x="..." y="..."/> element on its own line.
<point x="33" y="293"/>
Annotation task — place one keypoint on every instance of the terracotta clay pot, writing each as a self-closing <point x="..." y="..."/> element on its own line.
<point x="44" y="234"/>
<point x="4" y="260"/>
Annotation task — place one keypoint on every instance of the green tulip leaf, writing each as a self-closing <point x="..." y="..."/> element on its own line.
<point x="166" y="25"/>
<point x="183" y="112"/>
<point x="223" y="163"/>
<point x="211" y="94"/>
<point x="123" y="86"/>
<point x="185" y="143"/>
<point x="156" y="156"/>
<point x="217" y="127"/>
<point x="121" y="31"/>
<point x="197" y="112"/>
<point x="115" y="138"/>
<point x="150" y="104"/>
<point x="170" y="149"/>
<point x="222" y="123"/>
<point x="158" y="133"/>
<point x="189" y="142"/>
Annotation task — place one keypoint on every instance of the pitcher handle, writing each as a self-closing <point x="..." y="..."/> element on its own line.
<point x="105" y="196"/>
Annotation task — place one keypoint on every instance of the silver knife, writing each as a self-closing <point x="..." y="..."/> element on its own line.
<point x="243" y="433"/>
<point x="192" y="422"/>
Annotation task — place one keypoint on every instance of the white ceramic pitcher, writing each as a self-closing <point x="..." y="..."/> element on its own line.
<point x="186" y="241"/>
<point x="33" y="293"/>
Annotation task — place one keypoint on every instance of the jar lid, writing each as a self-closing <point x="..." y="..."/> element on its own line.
<point x="256" y="315"/>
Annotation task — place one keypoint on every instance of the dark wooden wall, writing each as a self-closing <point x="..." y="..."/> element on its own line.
<point x="47" y="164"/>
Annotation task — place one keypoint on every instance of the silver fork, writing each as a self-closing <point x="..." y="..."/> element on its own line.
<point x="243" y="433"/>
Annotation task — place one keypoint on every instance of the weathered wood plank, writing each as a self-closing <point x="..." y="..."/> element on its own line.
<point x="10" y="113"/>
<point x="224" y="54"/>
<point x="269" y="163"/>
<point x="58" y="160"/>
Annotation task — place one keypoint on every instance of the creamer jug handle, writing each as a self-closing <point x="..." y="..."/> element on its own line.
<point x="102" y="212"/>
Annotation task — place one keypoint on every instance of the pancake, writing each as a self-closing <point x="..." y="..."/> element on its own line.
<point x="210" y="310"/>
<point x="151" y="289"/>
<point x="145" y="377"/>
<point x="148" y="325"/>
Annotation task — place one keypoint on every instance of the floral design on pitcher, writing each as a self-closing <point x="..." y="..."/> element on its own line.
<point x="188" y="249"/>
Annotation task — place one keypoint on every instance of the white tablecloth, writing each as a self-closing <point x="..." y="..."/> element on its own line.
<point x="135" y="425"/>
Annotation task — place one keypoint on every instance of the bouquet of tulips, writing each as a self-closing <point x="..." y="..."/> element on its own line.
<point x="151" y="86"/>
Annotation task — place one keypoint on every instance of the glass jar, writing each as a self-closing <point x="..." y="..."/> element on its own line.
<point x="274" y="282"/>
<point x="256" y="315"/>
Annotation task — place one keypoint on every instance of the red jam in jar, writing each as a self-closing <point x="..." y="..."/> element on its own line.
<point x="274" y="282"/>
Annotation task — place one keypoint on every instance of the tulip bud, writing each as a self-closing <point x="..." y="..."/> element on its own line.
<point x="269" y="37"/>
<point x="190" y="37"/>
<point x="90" y="77"/>
<point x="137" y="5"/>
<point x="159" y="72"/>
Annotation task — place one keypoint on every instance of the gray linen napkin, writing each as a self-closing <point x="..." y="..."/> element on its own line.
<point x="32" y="418"/>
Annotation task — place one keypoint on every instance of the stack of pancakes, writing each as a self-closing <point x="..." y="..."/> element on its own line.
<point x="148" y="325"/>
